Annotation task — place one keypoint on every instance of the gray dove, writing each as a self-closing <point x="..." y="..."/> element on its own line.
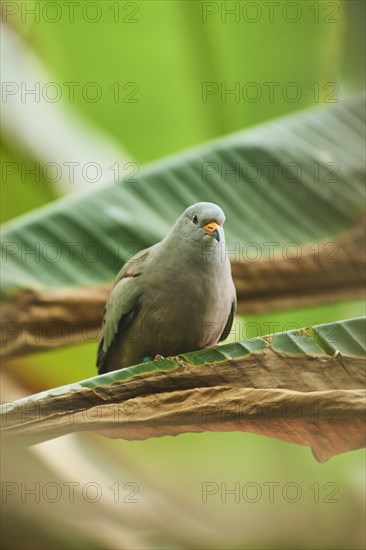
<point x="176" y="296"/>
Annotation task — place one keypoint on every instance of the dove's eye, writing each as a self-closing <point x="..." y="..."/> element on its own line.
<point x="195" y="219"/>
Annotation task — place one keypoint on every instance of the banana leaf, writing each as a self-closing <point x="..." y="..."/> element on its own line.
<point x="304" y="386"/>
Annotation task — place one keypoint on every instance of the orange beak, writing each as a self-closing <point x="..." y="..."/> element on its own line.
<point x="212" y="229"/>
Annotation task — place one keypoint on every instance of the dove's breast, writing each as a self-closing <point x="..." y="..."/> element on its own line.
<point x="183" y="312"/>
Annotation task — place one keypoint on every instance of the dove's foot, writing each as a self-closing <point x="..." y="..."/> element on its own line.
<point x="152" y="358"/>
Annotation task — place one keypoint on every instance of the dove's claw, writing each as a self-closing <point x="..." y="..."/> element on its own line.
<point x="152" y="358"/>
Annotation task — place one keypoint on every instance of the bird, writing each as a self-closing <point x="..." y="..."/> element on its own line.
<point x="173" y="297"/>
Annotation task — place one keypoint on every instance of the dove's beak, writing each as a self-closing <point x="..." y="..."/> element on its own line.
<point x="212" y="229"/>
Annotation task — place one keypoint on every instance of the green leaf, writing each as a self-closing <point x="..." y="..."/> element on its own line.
<point x="266" y="385"/>
<point x="346" y="338"/>
<point x="294" y="180"/>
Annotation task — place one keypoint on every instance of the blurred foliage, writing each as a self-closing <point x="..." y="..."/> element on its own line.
<point x="21" y="191"/>
<point x="168" y="54"/>
<point x="247" y="458"/>
<point x="167" y="50"/>
<point x="179" y="55"/>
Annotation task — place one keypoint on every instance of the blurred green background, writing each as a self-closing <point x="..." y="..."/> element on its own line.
<point x="139" y="72"/>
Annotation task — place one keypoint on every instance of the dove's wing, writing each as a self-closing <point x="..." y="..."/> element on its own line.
<point x="121" y="307"/>
<point x="230" y="320"/>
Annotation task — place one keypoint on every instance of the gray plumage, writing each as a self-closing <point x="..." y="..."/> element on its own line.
<point x="173" y="297"/>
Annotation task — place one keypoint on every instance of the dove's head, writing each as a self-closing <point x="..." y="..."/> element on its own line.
<point x="198" y="234"/>
<point x="200" y="224"/>
<point x="203" y="220"/>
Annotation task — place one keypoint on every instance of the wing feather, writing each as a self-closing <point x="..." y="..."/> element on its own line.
<point x="230" y="320"/>
<point x="121" y="307"/>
